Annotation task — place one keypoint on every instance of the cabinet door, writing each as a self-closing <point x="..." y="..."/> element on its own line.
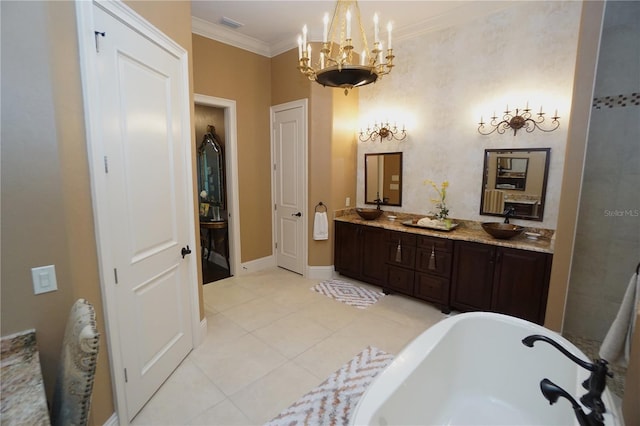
<point x="433" y="262"/>
<point x="431" y="288"/>
<point x="400" y="280"/>
<point x="373" y="242"/>
<point x="347" y="249"/>
<point x="472" y="276"/>
<point x="521" y="283"/>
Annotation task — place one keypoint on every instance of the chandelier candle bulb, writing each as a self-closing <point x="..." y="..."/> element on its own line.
<point x="325" y="32"/>
<point x="304" y="35"/>
<point x="299" y="47"/>
<point x="375" y="29"/>
<point x="348" y="24"/>
<point x="389" y="30"/>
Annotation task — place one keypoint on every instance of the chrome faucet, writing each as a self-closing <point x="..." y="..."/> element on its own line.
<point x="509" y="212"/>
<point x="596" y="382"/>
<point x="552" y="392"/>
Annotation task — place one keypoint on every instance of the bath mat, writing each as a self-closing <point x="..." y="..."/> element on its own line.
<point x="348" y="293"/>
<point x="332" y="403"/>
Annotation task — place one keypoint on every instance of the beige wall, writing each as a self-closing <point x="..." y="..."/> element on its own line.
<point x="47" y="216"/>
<point x="227" y="72"/>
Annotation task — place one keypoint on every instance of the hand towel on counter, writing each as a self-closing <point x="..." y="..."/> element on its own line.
<point x="617" y="343"/>
<point x="321" y="226"/>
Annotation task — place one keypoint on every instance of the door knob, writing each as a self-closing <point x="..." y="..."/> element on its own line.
<point x="296" y="214"/>
<point x="185" y="251"/>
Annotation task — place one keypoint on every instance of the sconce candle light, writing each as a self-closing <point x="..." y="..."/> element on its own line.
<point x="518" y="120"/>
<point x="382" y="131"/>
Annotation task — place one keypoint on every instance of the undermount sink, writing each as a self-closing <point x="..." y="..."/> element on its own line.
<point x="369" y="214"/>
<point x="502" y="231"/>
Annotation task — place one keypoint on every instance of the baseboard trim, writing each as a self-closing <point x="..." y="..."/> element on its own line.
<point x="112" y="421"/>
<point x="320" y="272"/>
<point x="257" y="265"/>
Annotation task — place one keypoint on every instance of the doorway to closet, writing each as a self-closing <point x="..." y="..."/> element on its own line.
<point x="216" y="177"/>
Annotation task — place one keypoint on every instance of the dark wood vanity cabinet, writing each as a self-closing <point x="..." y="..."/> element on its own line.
<point x="463" y="275"/>
<point x="359" y="252"/>
<point x="500" y="279"/>
<point x="433" y="269"/>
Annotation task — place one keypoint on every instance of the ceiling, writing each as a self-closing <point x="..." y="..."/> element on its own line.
<point x="270" y="27"/>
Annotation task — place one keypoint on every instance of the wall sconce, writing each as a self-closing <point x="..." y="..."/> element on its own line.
<point x="382" y="131"/>
<point x="519" y="120"/>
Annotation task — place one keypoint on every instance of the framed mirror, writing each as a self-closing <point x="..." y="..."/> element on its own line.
<point x="383" y="178"/>
<point x="515" y="178"/>
<point x="211" y="185"/>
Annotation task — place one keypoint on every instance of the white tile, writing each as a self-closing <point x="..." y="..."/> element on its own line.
<point x="267" y="397"/>
<point x="235" y="364"/>
<point x="292" y="334"/>
<point x="257" y="313"/>
<point x="185" y="393"/>
<point x="224" y="413"/>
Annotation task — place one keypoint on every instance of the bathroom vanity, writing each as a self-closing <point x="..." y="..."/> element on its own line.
<point x="465" y="269"/>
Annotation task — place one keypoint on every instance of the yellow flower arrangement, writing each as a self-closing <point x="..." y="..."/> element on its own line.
<point x="440" y="202"/>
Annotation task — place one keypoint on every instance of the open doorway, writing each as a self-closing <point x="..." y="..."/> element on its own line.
<point x="217" y="187"/>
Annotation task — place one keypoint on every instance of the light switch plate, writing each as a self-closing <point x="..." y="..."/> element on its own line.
<point x="44" y="279"/>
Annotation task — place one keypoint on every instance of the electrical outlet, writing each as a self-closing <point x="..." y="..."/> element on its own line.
<point x="347" y="202"/>
<point x="44" y="279"/>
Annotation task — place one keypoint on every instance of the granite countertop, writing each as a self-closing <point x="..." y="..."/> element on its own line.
<point x="23" y="398"/>
<point x="467" y="230"/>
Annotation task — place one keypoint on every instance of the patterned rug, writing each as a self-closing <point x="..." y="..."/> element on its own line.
<point x="333" y="401"/>
<point x="348" y="293"/>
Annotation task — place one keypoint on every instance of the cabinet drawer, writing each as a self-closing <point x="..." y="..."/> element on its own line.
<point x="431" y="288"/>
<point x="405" y="238"/>
<point x="400" y="279"/>
<point x="434" y="262"/>
<point x="401" y="254"/>
<point x="436" y="243"/>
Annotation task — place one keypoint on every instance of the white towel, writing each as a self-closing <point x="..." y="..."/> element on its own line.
<point x="617" y="342"/>
<point x="321" y="226"/>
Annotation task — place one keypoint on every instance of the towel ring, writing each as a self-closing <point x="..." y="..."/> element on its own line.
<point x="320" y="205"/>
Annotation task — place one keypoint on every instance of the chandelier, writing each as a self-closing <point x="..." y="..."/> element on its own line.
<point x="381" y="132"/>
<point x="337" y="65"/>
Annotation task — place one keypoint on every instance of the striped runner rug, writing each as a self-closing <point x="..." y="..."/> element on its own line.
<point x="348" y="293"/>
<point x="332" y="403"/>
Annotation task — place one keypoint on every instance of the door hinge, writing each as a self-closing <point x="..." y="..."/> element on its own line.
<point x="96" y="34"/>
<point x="106" y="164"/>
<point x="115" y="274"/>
<point x="275" y="207"/>
<point x="276" y="244"/>
<point x="126" y="379"/>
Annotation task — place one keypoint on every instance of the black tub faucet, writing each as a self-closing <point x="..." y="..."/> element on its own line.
<point x="596" y="382"/>
<point x="553" y="392"/>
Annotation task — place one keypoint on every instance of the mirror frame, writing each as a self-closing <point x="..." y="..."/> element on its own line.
<point x="518" y="153"/>
<point x="211" y="141"/>
<point x="366" y="168"/>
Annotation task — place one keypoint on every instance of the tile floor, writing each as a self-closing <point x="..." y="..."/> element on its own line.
<point x="270" y="340"/>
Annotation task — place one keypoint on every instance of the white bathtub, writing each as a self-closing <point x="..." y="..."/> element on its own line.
<point x="472" y="369"/>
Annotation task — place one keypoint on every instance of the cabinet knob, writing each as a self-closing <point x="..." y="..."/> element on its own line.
<point x="432" y="259"/>
<point x="399" y="252"/>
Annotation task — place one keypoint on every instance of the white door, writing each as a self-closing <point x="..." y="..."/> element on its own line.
<point x="146" y="184"/>
<point x="290" y="184"/>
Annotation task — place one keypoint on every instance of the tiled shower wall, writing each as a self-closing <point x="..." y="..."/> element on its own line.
<point x="607" y="248"/>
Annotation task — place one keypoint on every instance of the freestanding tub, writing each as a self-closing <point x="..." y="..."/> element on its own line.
<point x="472" y="369"/>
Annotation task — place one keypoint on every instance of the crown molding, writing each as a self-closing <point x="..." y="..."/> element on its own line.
<point x="223" y="35"/>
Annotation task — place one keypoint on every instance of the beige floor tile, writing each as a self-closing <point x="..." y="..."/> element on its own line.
<point x="329" y="355"/>
<point x="257" y="313"/>
<point x="235" y="364"/>
<point x="222" y="329"/>
<point x="381" y="332"/>
<point x="224" y="294"/>
<point x="222" y="414"/>
<point x="265" y="398"/>
<point x="186" y="391"/>
<point x="406" y="310"/>
<point x="292" y="334"/>
<point x="330" y="313"/>
<point x="296" y="296"/>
